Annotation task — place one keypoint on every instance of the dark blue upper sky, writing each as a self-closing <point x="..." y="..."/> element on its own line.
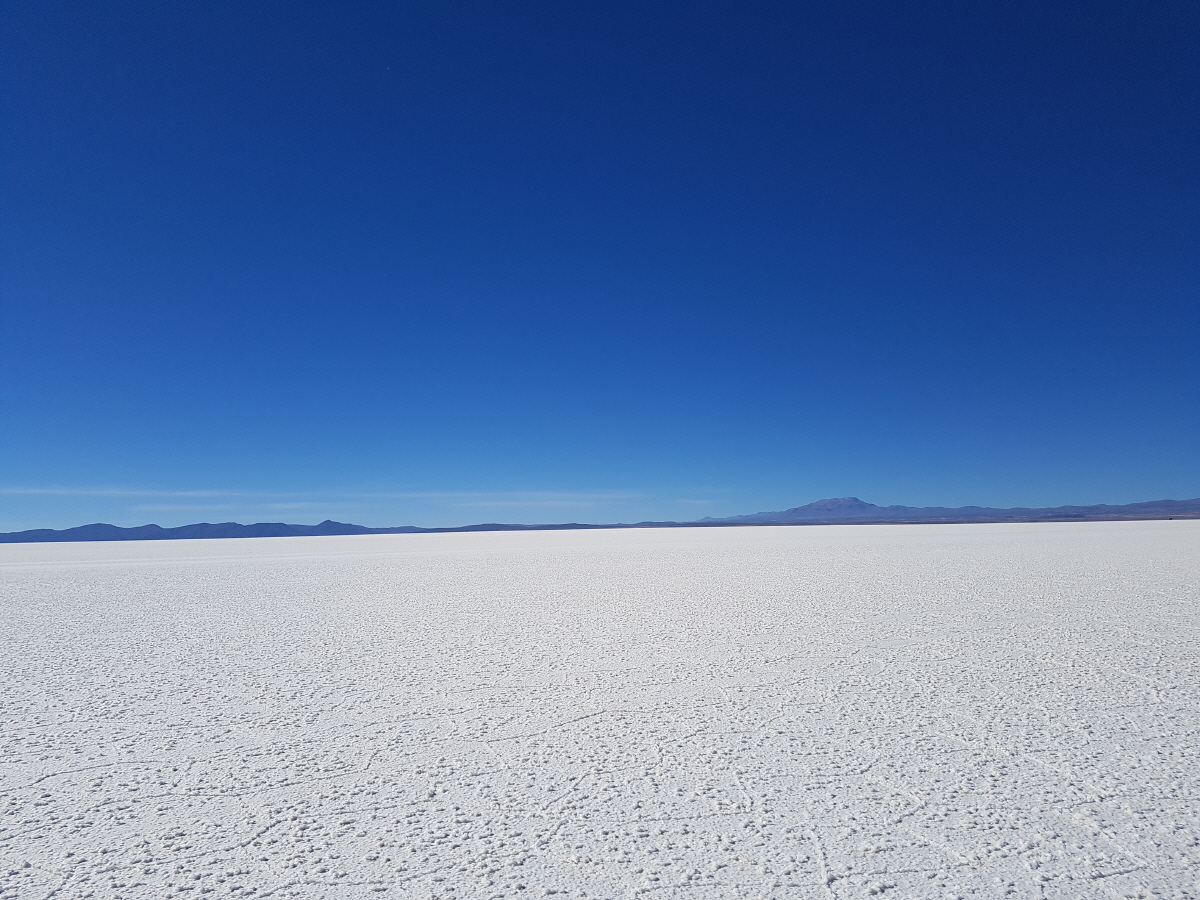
<point x="450" y="262"/>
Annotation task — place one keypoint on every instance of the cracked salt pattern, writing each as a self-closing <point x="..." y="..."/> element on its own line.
<point x="827" y="712"/>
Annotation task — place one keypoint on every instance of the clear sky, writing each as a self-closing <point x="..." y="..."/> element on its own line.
<point x="448" y="262"/>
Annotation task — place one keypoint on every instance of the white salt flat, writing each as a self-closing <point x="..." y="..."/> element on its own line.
<point x="829" y="712"/>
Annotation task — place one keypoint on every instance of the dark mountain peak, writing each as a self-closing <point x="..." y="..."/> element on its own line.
<point x="837" y="504"/>
<point x="831" y="509"/>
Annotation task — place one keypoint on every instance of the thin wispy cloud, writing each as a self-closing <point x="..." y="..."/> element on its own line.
<point x="376" y="508"/>
<point x="474" y="504"/>
<point x="115" y="492"/>
<point x="217" y="507"/>
<point x="508" y="496"/>
<point x="459" y="497"/>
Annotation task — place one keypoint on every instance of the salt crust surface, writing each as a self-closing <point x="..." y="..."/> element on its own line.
<point x="827" y="712"/>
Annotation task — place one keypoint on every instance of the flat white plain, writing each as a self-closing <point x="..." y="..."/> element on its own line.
<point x="826" y="712"/>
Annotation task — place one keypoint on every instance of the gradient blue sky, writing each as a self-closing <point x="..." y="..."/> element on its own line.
<point x="450" y="262"/>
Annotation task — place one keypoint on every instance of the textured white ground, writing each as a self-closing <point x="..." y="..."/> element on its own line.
<point x="827" y="712"/>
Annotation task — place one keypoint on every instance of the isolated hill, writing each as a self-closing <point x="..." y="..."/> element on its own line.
<point x="833" y="511"/>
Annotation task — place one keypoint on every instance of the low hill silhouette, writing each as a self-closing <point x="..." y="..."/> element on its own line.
<point x="833" y="511"/>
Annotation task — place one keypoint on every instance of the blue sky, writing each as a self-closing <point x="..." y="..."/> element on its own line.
<point x="452" y="262"/>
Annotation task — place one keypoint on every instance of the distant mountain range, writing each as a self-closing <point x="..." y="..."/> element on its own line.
<point x="102" y="532"/>
<point x="837" y="511"/>
<point x="851" y="509"/>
